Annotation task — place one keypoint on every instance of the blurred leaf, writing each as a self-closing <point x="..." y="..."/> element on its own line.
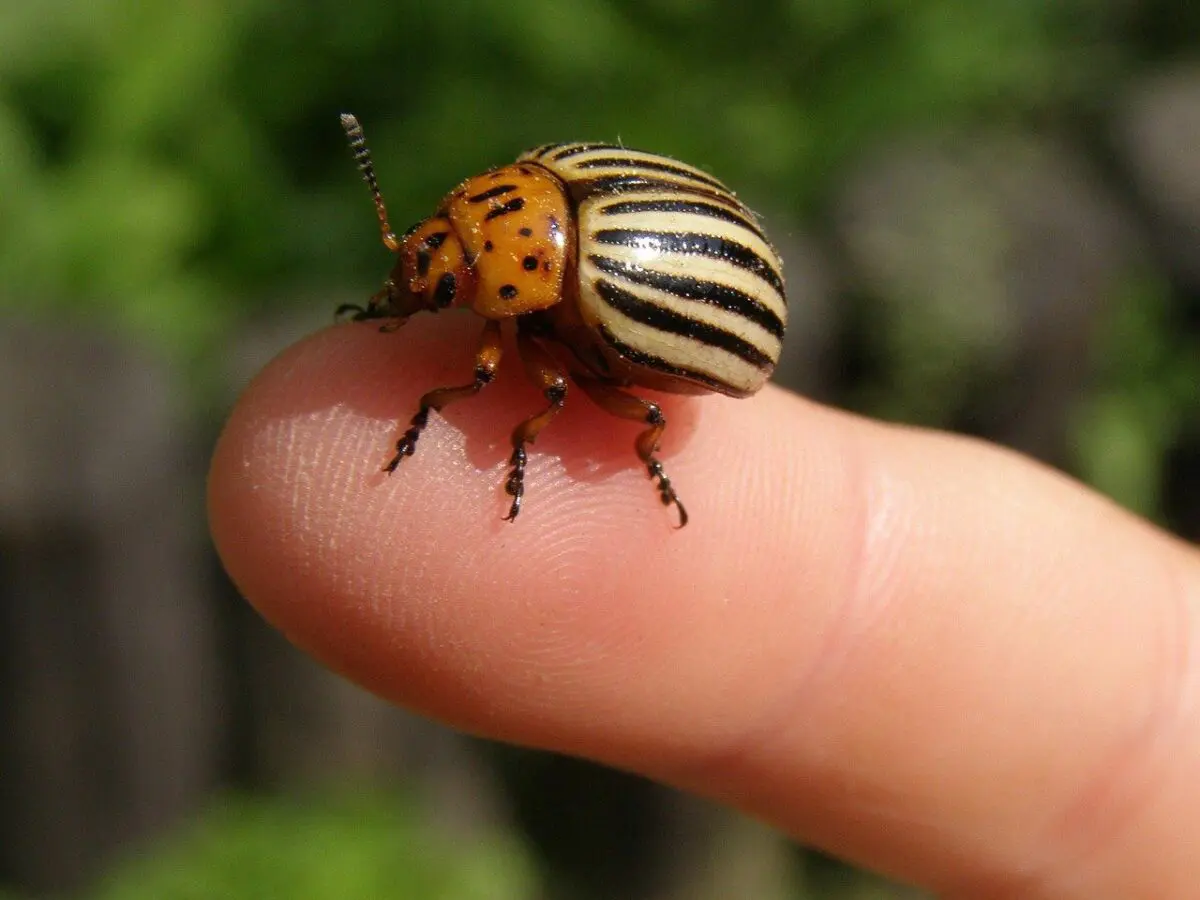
<point x="174" y="168"/>
<point x="1124" y="430"/>
<point x="345" y="847"/>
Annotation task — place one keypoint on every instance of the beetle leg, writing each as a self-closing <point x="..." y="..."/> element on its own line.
<point x="544" y="371"/>
<point x="487" y="360"/>
<point x="627" y="406"/>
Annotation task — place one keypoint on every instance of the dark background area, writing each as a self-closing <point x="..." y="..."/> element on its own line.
<point x="990" y="218"/>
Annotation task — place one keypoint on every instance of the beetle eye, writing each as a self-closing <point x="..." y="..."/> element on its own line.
<point x="447" y="288"/>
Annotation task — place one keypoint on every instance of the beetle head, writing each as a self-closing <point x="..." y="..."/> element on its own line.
<point x="431" y="273"/>
<point x="431" y="270"/>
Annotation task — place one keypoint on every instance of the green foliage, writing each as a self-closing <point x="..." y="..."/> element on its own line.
<point x="344" y="847"/>
<point x="1146" y="396"/>
<point x="171" y="170"/>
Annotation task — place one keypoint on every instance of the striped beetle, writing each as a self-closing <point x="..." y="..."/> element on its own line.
<point x="621" y="268"/>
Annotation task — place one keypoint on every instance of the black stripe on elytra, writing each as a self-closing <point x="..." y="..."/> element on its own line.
<point x="658" y="364"/>
<point x="690" y="207"/>
<point x="492" y="192"/>
<point x="582" y="187"/>
<point x="576" y="149"/>
<point x="671" y="322"/>
<point x="687" y="288"/>
<point x="513" y="205"/>
<point x="692" y="243"/>
<point x="653" y="165"/>
<point x="548" y="148"/>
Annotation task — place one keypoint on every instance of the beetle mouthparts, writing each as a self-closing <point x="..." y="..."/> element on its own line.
<point x="378" y="307"/>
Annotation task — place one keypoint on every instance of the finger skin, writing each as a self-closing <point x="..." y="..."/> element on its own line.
<point x="913" y="650"/>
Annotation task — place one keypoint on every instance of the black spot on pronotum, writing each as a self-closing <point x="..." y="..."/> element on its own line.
<point x="492" y="192"/>
<point x="436" y="239"/>
<point x="526" y="232"/>
<point x="513" y="205"/>
<point x="489" y="246"/>
<point x="447" y="287"/>
<point x="508" y="291"/>
<point x="529" y="263"/>
<point x="423" y="261"/>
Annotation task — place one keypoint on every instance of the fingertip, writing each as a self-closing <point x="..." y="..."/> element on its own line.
<point x="366" y="570"/>
<point x="859" y="626"/>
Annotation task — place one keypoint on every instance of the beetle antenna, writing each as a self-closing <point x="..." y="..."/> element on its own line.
<point x="362" y="156"/>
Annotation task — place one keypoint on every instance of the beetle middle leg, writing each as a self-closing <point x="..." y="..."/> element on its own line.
<point x="487" y="361"/>
<point x="544" y="371"/>
<point x="627" y="406"/>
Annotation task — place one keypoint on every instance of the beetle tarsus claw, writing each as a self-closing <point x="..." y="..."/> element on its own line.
<point x="513" y="511"/>
<point x="407" y="445"/>
<point x="666" y="490"/>
<point x="515" y="486"/>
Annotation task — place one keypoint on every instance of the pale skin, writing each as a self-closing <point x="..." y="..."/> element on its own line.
<point x="924" y="654"/>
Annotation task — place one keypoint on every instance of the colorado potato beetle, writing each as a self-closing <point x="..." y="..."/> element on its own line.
<point x="621" y="269"/>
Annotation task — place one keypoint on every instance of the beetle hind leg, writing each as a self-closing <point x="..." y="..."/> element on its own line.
<point x="647" y="446"/>
<point x="627" y="406"/>
<point x="487" y="361"/>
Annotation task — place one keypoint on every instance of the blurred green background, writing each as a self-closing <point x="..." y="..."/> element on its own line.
<point x="990" y="217"/>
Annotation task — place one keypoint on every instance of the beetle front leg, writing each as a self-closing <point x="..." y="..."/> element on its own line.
<point x="487" y="361"/>
<point x="627" y="406"/>
<point x="544" y="371"/>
